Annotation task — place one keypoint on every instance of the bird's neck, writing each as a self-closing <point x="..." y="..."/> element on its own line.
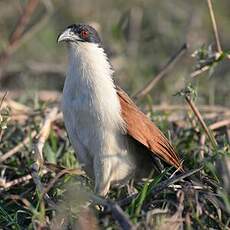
<point x="89" y="79"/>
<point x="89" y="69"/>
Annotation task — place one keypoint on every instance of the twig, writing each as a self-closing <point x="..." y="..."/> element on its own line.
<point x="16" y="106"/>
<point x="159" y="187"/>
<point x="23" y="21"/>
<point x="2" y="99"/>
<point x="34" y="173"/>
<point x="16" y="43"/>
<point x="42" y="137"/>
<point x="26" y="203"/>
<point x="214" y="126"/>
<point x="219" y="124"/>
<point x="115" y="209"/>
<point x="149" y="86"/>
<point x="30" y="33"/>
<point x="13" y="151"/>
<point x="201" y="121"/>
<point x="214" y="26"/>
<point x="199" y="71"/>
<point x="195" y="187"/>
<point x="202" y="145"/>
<point x="9" y="184"/>
<point x="47" y="168"/>
<point x="20" y="28"/>
<point x="44" y="134"/>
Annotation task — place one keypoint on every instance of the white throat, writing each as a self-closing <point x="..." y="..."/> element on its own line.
<point x="89" y="80"/>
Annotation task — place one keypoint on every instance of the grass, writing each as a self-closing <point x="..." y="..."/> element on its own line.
<point x="200" y="202"/>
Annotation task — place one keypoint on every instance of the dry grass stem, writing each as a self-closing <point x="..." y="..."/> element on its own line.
<point x="214" y="26"/>
<point x="16" y="106"/>
<point x="18" y="147"/>
<point x="44" y="134"/>
<point x="2" y="99"/>
<point x="19" y="30"/>
<point x="149" y="86"/>
<point x="219" y="124"/>
<point x="6" y="185"/>
<point x="115" y="209"/>
<point x="199" y="71"/>
<point x="201" y="121"/>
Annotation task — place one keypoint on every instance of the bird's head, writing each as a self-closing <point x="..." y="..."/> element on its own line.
<point x="85" y="49"/>
<point x="79" y="33"/>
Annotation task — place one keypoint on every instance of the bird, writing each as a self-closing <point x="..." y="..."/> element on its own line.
<point x="113" y="139"/>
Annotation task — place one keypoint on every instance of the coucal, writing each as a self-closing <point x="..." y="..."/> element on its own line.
<point x="113" y="140"/>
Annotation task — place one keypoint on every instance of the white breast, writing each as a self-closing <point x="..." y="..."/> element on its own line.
<point x="92" y="113"/>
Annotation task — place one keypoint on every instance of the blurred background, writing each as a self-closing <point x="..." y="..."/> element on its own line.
<point x="140" y="36"/>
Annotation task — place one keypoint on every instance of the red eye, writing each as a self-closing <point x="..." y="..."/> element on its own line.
<point x="84" y="34"/>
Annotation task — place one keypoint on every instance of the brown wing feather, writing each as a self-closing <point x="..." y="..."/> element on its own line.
<point x="144" y="131"/>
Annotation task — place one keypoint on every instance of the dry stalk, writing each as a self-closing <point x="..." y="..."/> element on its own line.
<point x="201" y="121"/>
<point x="8" y="184"/>
<point x="149" y="86"/>
<point x="42" y="137"/>
<point x="44" y="134"/>
<point x="219" y="124"/>
<point x="214" y="126"/>
<point x="214" y="26"/>
<point x="16" y="106"/>
<point x="19" y="30"/>
<point x="47" y="168"/>
<point x="199" y="71"/>
<point x="2" y="99"/>
<point x="20" y="35"/>
<point x="118" y="214"/>
<point x="14" y="150"/>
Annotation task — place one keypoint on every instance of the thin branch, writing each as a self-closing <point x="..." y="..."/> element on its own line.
<point x="159" y="187"/>
<point x="19" y="30"/>
<point x="25" y="202"/>
<point x="115" y="209"/>
<point x="149" y="86"/>
<point x="23" y="21"/>
<point x="44" y="134"/>
<point x="2" y="99"/>
<point x="201" y="121"/>
<point x="16" y="149"/>
<point x="199" y="71"/>
<point x="34" y="173"/>
<point x="16" y="106"/>
<point x="19" y="36"/>
<point x="48" y="167"/>
<point x="8" y="184"/>
<point x="42" y="137"/>
<point x="214" y="26"/>
<point x="214" y="126"/>
<point x="219" y="124"/>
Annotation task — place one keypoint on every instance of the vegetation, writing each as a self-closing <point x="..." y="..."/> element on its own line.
<point x="41" y="184"/>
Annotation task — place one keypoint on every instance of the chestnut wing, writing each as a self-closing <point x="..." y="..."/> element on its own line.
<point x="144" y="131"/>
